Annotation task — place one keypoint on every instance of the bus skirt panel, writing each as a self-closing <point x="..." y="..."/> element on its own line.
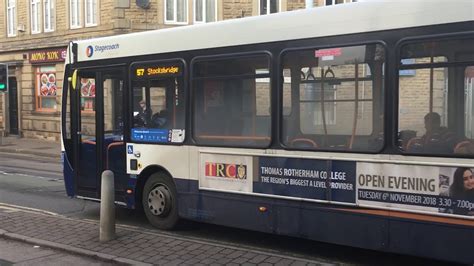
<point x="351" y="226"/>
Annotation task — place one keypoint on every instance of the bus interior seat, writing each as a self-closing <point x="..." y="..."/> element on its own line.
<point x="464" y="147"/>
<point x="160" y="119"/>
<point x="440" y="142"/>
<point x="415" y="144"/>
<point x="303" y="143"/>
<point x="112" y="156"/>
<point x="90" y="142"/>
<point x="374" y="142"/>
<point x="435" y="143"/>
<point x="363" y="143"/>
<point x="336" y="142"/>
<point x="404" y="138"/>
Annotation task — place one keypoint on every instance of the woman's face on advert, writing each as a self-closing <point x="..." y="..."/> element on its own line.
<point x="468" y="180"/>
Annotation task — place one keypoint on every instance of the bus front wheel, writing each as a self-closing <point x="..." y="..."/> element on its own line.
<point x="160" y="202"/>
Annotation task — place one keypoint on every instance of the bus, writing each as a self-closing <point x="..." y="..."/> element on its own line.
<point x="349" y="124"/>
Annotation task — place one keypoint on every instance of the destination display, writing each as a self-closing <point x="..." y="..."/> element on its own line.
<point x="146" y="71"/>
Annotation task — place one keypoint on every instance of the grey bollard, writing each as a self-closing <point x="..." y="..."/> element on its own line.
<point x="107" y="207"/>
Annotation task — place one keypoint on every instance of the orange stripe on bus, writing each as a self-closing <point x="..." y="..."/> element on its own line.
<point x="414" y="216"/>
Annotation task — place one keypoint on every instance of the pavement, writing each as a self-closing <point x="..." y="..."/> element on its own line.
<point x="37" y="147"/>
<point x="132" y="245"/>
<point x="14" y="252"/>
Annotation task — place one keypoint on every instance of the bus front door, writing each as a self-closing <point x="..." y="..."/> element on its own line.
<point x="99" y="137"/>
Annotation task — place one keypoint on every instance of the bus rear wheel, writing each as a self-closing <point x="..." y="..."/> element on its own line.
<point x="159" y="201"/>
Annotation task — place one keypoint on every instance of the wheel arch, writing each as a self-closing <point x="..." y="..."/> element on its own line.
<point x="143" y="177"/>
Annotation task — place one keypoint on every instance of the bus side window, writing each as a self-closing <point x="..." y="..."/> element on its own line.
<point x="466" y="146"/>
<point x="436" y="100"/>
<point x="335" y="98"/>
<point x="232" y="100"/>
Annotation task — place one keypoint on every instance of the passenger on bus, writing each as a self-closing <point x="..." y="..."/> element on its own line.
<point x="437" y="139"/>
<point x="462" y="189"/>
<point x="142" y="119"/>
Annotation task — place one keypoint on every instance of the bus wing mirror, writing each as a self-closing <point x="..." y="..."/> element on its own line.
<point x="73" y="79"/>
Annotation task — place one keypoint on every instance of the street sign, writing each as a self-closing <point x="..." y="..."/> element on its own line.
<point x="3" y="77"/>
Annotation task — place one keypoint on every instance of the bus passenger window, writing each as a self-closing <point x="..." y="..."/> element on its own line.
<point x="333" y="98"/>
<point x="467" y="146"/>
<point x="435" y="97"/>
<point x="232" y="101"/>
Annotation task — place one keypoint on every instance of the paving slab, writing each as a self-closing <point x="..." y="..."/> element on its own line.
<point x="132" y="246"/>
<point x="28" y="146"/>
<point x="14" y="252"/>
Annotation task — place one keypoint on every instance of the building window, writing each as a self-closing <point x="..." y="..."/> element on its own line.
<point x="269" y="6"/>
<point x="205" y="11"/>
<point x="11" y="18"/>
<point x="337" y="2"/>
<point x="176" y="11"/>
<point x="91" y="13"/>
<point x="46" y="88"/>
<point x="35" y="16"/>
<point x="49" y="15"/>
<point x="75" y="14"/>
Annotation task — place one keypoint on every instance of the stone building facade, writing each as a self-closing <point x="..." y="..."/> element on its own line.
<point x="34" y="35"/>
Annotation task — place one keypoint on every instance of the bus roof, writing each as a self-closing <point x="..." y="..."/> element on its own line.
<point x="363" y="16"/>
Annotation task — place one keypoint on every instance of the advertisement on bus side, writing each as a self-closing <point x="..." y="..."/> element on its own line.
<point x="427" y="188"/>
<point x="306" y="178"/>
<point x="226" y="172"/>
<point x="448" y="190"/>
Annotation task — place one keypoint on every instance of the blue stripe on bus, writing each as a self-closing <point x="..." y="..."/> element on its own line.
<point x="68" y="174"/>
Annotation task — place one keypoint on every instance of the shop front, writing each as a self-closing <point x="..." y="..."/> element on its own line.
<point x="31" y="107"/>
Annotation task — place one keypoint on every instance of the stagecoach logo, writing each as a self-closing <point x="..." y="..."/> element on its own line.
<point x="89" y="51"/>
<point x="233" y="171"/>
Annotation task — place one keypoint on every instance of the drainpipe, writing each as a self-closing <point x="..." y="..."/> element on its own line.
<point x="4" y="115"/>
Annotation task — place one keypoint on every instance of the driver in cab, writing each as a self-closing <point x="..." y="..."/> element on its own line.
<point x="143" y="117"/>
